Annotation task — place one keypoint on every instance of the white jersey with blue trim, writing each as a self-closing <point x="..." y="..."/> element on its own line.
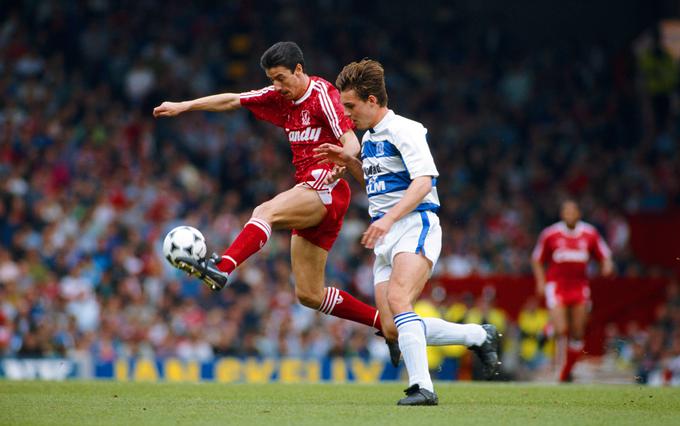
<point x="393" y="153"/>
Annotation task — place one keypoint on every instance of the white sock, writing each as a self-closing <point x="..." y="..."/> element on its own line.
<point x="443" y="333"/>
<point x="413" y="348"/>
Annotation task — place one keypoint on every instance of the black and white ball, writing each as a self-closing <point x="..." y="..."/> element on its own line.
<point x="184" y="241"/>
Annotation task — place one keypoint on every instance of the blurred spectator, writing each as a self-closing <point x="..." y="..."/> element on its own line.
<point x="532" y="323"/>
<point x="654" y="353"/>
<point x="659" y="74"/>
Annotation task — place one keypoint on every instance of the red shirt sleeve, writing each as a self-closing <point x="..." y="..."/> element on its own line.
<point x="266" y="104"/>
<point x="599" y="247"/>
<point x="541" y="251"/>
<point x="333" y="112"/>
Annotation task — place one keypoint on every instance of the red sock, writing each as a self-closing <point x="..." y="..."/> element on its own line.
<point x="251" y="239"/>
<point x="573" y="353"/>
<point x="341" y="304"/>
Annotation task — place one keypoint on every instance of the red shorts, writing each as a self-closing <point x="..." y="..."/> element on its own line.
<point x="566" y="293"/>
<point x="336" y="198"/>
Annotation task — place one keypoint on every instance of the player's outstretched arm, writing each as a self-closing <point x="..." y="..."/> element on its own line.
<point x="217" y="103"/>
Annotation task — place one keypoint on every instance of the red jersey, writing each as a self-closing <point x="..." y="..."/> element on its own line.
<point x="314" y="119"/>
<point x="567" y="251"/>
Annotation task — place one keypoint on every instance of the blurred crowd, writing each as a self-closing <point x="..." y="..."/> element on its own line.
<point x="91" y="182"/>
<point x="651" y="353"/>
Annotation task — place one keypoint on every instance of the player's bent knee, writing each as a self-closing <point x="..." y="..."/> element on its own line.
<point x="310" y="299"/>
<point x="264" y="211"/>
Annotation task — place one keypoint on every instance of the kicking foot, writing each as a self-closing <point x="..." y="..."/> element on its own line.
<point x="204" y="269"/>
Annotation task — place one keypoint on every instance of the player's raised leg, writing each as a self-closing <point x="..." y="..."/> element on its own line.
<point x="296" y="207"/>
<point x="482" y="339"/>
<point x="439" y="331"/>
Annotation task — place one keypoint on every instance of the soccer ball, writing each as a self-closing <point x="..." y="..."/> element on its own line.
<point x="184" y="241"/>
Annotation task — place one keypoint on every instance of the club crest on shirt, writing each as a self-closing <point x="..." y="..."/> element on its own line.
<point x="380" y="149"/>
<point x="306" y="118"/>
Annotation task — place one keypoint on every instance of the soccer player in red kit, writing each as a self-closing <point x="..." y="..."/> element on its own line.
<point x="567" y="247"/>
<point x="308" y="109"/>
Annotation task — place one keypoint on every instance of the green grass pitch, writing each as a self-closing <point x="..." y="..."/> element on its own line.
<point x="72" y="403"/>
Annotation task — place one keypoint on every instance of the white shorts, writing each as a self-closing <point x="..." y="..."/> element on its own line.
<point x="417" y="232"/>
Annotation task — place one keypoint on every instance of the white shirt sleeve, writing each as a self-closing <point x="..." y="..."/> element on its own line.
<point x="411" y="142"/>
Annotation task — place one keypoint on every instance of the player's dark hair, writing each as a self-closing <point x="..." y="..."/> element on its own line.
<point x="283" y="53"/>
<point x="568" y="200"/>
<point x="366" y="78"/>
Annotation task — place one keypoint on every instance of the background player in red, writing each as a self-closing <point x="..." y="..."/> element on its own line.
<point x="309" y="111"/>
<point x="566" y="247"/>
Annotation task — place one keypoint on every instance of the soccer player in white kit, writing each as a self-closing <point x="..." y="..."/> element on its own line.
<point x="400" y="177"/>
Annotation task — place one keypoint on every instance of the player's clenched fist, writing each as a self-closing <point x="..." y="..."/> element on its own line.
<point x="169" y="109"/>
